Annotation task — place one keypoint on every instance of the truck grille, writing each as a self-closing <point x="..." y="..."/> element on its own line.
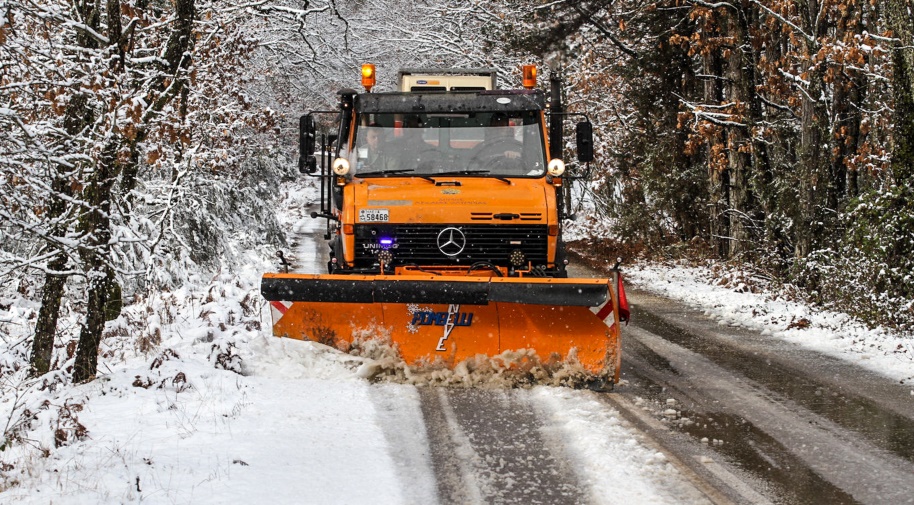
<point x="419" y="243"/>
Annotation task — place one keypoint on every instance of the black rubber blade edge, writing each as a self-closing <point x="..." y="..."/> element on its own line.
<point x="443" y="291"/>
<point x="583" y="295"/>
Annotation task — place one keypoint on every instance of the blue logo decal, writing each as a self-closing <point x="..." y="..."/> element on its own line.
<point x="442" y="319"/>
<point x="450" y="320"/>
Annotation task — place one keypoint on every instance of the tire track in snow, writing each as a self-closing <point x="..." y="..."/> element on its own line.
<point x="400" y="417"/>
<point x="308" y="251"/>
<point x="850" y="467"/>
<point x="453" y="456"/>
<point x="488" y="446"/>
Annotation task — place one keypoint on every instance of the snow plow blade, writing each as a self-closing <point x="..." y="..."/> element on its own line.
<point x="433" y="319"/>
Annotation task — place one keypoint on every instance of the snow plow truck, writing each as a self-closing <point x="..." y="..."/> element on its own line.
<point x="444" y="213"/>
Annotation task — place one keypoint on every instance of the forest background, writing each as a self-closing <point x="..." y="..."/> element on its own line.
<point x="144" y="141"/>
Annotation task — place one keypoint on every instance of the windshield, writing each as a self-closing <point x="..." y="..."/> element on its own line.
<point x="501" y="144"/>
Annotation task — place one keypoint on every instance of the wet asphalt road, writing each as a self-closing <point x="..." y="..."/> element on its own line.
<point x="749" y="419"/>
<point x="797" y="426"/>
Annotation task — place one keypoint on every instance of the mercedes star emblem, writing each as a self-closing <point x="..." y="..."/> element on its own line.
<point x="451" y="241"/>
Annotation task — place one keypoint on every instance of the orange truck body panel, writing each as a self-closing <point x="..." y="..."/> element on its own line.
<point x="412" y="200"/>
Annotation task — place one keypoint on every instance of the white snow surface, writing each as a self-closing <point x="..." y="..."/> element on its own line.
<point x="613" y="462"/>
<point x="219" y="411"/>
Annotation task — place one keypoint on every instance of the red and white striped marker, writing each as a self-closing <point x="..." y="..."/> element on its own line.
<point x="278" y="309"/>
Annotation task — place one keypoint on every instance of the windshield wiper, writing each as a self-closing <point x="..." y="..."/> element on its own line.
<point x="473" y="172"/>
<point x="394" y="171"/>
<point x="382" y="172"/>
<point x="459" y="172"/>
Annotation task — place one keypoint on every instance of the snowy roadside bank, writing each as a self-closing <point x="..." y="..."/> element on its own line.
<point x="216" y="411"/>
<point x="734" y="304"/>
<point x="735" y="299"/>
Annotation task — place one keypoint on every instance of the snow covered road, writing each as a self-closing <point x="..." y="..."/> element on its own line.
<point x="543" y="445"/>
<point x="301" y="427"/>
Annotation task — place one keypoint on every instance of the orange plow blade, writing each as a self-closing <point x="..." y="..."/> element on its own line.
<point x="433" y="319"/>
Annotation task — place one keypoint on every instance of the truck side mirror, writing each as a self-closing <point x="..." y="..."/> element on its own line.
<point x="584" y="133"/>
<point x="307" y="163"/>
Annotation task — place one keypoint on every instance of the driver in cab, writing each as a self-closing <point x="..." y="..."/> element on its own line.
<point x="500" y="141"/>
<point x="373" y="156"/>
<point x="501" y="138"/>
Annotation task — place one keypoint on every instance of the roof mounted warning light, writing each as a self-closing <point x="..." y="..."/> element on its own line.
<point x="529" y="73"/>
<point x="368" y="76"/>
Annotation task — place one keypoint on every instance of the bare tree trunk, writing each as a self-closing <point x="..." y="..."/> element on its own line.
<point x="813" y="173"/>
<point x="849" y="93"/>
<point x="849" y="87"/>
<point x="718" y="190"/>
<point x="813" y="170"/>
<point x="78" y="114"/>
<point x="741" y="95"/>
<point x="95" y="224"/>
<point x="54" y="279"/>
<point x="46" y="325"/>
<point x="899" y="15"/>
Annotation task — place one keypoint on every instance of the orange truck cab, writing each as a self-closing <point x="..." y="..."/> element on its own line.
<point x="448" y="175"/>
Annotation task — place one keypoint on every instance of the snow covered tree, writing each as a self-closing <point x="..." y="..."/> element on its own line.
<point x="115" y="107"/>
<point x="96" y="94"/>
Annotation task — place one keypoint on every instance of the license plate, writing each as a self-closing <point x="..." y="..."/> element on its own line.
<point x="373" y="215"/>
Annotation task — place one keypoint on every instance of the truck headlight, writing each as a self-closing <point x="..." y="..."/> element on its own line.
<point x="556" y="167"/>
<point x="341" y="166"/>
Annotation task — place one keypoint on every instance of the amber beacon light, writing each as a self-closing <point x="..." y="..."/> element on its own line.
<point x="529" y="76"/>
<point x="368" y="76"/>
